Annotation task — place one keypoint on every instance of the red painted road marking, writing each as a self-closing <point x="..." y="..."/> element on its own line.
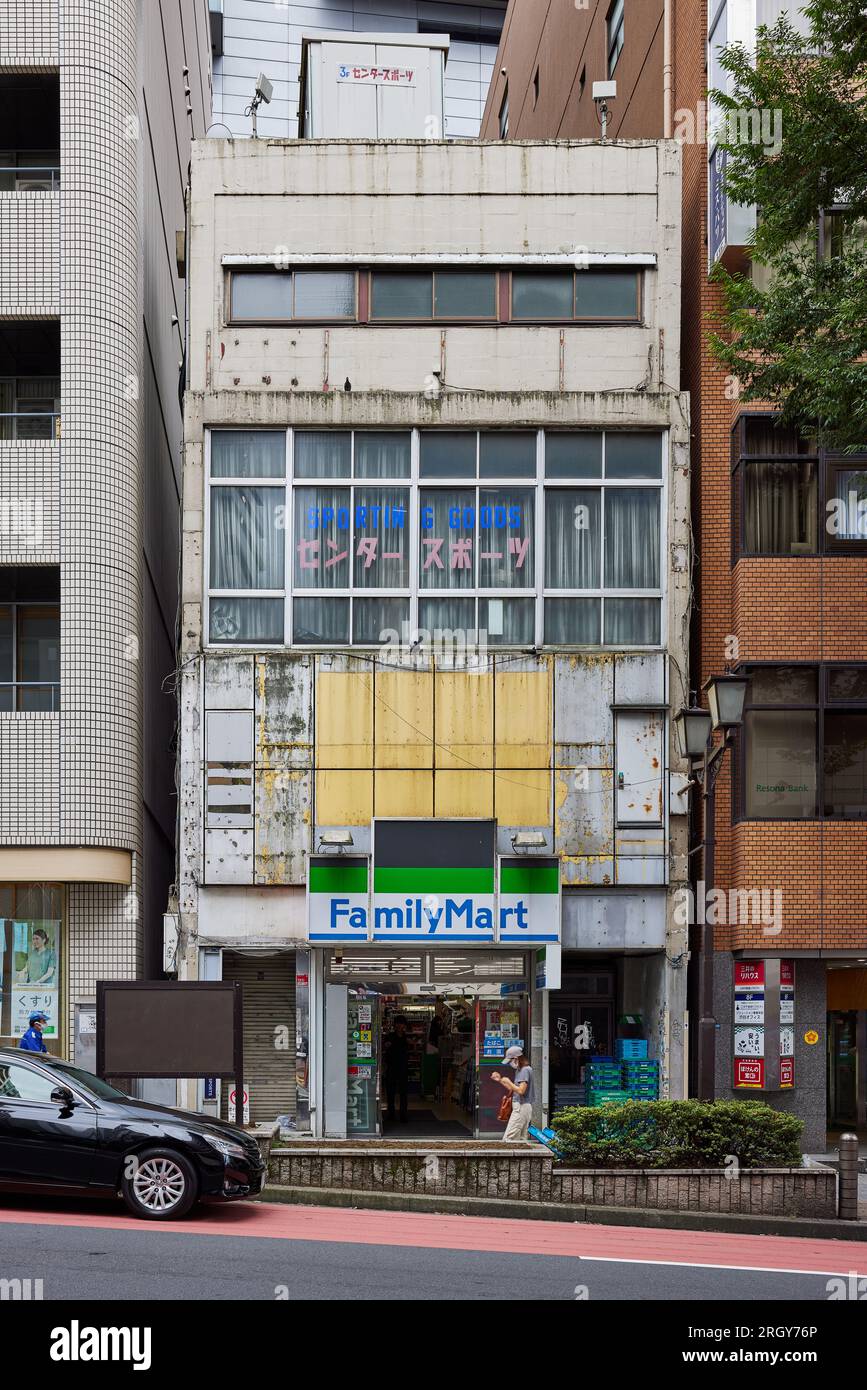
<point x="440" y="1232"/>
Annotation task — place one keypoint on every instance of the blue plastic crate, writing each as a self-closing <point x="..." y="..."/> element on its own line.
<point x="630" y="1048"/>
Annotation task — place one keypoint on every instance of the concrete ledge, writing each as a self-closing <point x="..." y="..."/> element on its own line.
<point x="577" y="1215"/>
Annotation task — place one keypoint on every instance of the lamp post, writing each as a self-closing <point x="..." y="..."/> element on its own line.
<point x="694" y="728"/>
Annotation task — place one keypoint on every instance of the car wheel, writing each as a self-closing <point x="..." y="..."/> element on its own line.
<point x="162" y="1185"/>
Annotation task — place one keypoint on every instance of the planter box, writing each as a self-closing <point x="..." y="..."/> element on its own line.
<point x="531" y="1176"/>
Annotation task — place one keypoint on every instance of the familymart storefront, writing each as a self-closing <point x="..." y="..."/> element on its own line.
<point x="433" y="956"/>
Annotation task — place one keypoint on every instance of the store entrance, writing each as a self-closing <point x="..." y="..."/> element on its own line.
<point x="428" y="1067"/>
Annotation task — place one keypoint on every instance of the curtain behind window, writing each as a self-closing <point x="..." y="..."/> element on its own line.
<point x="632" y="538"/>
<point x="780" y="507"/>
<point x="572" y="538"/>
<point x="247" y="537"/>
<point x="382" y="455"/>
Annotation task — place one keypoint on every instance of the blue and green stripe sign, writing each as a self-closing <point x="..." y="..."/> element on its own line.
<point x="435" y="881"/>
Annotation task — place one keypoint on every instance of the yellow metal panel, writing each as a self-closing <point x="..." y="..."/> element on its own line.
<point x="344" y="721"/>
<point x="468" y="794"/>
<point x="404" y="793"/>
<point x="522" y="798"/>
<point x="404" y="720"/>
<point x="523" y="719"/>
<point x="464" y="720"/>
<point x="344" y="798"/>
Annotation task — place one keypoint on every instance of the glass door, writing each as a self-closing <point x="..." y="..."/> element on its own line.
<point x="500" y="1023"/>
<point x="843" y="1069"/>
<point x="363" y="1063"/>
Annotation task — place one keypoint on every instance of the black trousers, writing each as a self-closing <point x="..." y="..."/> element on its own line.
<point x="396" y="1086"/>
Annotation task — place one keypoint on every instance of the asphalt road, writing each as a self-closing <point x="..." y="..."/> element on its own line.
<point x="84" y="1252"/>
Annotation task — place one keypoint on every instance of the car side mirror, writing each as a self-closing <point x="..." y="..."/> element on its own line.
<point x="62" y="1096"/>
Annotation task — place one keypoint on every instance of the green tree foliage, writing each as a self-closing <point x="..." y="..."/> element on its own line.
<point x="800" y="341"/>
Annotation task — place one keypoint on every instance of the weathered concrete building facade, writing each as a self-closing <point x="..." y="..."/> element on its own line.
<point x="436" y="574"/>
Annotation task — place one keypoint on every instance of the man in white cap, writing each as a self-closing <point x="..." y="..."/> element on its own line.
<point x="523" y="1094"/>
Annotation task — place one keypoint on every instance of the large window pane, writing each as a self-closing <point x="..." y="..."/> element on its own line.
<point x="376" y="620"/>
<point x="325" y="294"/>
<point x="572" y="622"/>
<point x="846" y="504"/>
<point x="261" y="295"/>
<point x="447" y="455"/>
<point x="632" y="538"/>
<point x="401" y="296"/>
<point x="381" y="538"/>
<point x="632" y="622"/>
<point x="323" y="537"/>
<point x="248" y="454"/>
<point x="506" y="532"/>
<point x="447" y="520"/>
<point x="503" y="455"/>
<point x="573" y="455"/>
<point x="602" y="294"/>
<point x="764" y="435"/>
<point x="39" y="644"/>
<point x="542" y="296"/>
<point x="6" y="672"/>
<point x="246" y="620"/>
<point x="780" y="507"/>
<point x="382" y="455"/>
<point x="247" y="537"/>
<point x="572" y="538"/>
<point x="465" y="294"/>
<point x="633" y="455"/>
<point x="320" y="620"/>
<point x="844" y="683"/>
<point x="323" y="454"/>
<point x="441" y="615"/>
<point x="782" y="685"/>
<point x="508" y="622"/>
<point x="780" y="764"/>
<point x="845" y="759"/>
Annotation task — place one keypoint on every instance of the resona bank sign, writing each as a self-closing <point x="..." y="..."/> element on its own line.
<point x="432" y="882"/>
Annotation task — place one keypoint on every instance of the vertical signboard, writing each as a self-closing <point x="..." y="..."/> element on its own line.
<point x="756" y="1029"/>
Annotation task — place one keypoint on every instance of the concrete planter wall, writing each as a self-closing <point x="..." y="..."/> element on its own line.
<point x="532" y="1177"/>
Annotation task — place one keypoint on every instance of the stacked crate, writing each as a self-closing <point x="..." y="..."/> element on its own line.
<point x="639" y="1075"/>
<point x="604" y="1082"/>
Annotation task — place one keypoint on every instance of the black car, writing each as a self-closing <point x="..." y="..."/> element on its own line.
<point x="64" y="1130"/>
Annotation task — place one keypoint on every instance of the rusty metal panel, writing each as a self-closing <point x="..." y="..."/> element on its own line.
<point x="584" y="810"/>
<point x="344" y="712"/>
<point x="523" y="719"/>
<point x="464" y="793"/>
<point x="583" y="695"/>
<point x="464" y="723"/>
<point x="284" y="710"/>
<point x="283" y="824"/>
<point x="229" y="856"/>
<point x="638" y="773"/>
<point x="403" y="718"/>
<point x="404" y="793"/>
<point x="639" y="679"/>
<point x="228" y="682"/>
<point x="343" y="797"/>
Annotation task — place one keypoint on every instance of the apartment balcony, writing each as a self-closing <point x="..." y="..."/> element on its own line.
<point x="30" y="381"/>
<point x="29" y="195"/>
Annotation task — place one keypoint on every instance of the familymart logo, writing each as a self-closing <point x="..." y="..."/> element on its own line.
<point x="77" y="1343"/>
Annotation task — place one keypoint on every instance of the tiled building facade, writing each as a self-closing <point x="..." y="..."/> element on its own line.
<point x="793" y="616"/>
<point x="94" y="147"/>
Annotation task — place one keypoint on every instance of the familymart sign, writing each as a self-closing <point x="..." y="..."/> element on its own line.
<point x="431" y="882"/>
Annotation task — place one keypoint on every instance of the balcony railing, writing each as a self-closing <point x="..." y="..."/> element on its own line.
<point x="29" y="178"/>
<point x="24" y="425"/>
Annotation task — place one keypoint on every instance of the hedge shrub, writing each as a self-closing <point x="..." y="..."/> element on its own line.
<point x="678" y="1134"/>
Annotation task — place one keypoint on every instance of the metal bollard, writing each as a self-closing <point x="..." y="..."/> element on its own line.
<point x="847" y="1189"/>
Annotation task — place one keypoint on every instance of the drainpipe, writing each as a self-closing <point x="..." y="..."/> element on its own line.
<point x="667" y="70"/>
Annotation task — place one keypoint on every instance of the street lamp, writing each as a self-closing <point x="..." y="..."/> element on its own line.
<point x="725" y="696"/>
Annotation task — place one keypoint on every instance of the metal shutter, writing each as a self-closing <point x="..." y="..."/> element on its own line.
<point x="268" y="985"/>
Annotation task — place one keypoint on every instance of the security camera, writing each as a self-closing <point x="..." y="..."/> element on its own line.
<point x="264" y="88"/>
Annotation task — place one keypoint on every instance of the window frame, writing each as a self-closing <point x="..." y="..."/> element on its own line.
<point x="414" y="485"/>
<point x="17" y="607"/>
<point x="827" y="462"/>
<point x="501" y="316"/>
<point x="820" y="707"/>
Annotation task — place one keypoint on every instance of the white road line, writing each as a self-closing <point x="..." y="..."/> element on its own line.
<point x="751" y="1269"/>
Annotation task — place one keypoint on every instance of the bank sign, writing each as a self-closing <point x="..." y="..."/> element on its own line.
<point x="409" y="895"/>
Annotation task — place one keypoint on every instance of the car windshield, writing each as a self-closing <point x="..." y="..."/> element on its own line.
<point x="88" y="1082"/>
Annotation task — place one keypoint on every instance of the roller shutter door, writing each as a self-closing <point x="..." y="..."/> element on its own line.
<point x="268" y="986"/>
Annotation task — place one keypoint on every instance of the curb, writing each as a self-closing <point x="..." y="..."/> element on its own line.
<point x="559" y="1211"/>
